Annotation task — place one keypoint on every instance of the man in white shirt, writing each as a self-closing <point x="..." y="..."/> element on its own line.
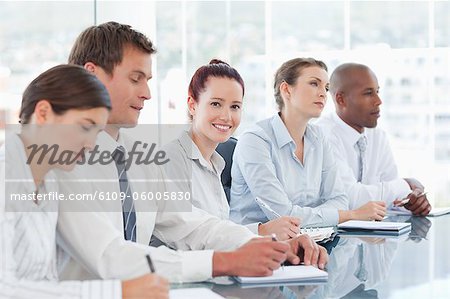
<point x="100" y="239"/>
<point x="368" y="167"/>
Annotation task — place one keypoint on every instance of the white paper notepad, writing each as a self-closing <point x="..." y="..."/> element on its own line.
<point x="373" y="225"/>
<point x="288" y="274"/>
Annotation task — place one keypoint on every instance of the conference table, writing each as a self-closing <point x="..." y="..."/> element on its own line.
<point x="414" y="265"/>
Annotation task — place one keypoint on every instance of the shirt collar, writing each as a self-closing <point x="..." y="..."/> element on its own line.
<point x="283" y="137"/>
<point x="19" y="159"/>
<point x="109" y="144"/>
<point x="281" y="133"/>
<point x="350" y="135"/>
<point x="193" y="153"/>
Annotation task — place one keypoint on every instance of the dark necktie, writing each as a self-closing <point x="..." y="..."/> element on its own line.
<point x="128" y="212"/>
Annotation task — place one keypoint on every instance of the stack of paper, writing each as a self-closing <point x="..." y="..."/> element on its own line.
<point x="288" y="274"/>
<point x="373" y="227"/>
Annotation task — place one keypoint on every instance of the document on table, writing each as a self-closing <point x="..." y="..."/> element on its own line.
<point x="433" y="213"/>
<point x="193" y="293"/>
<point x="375" y="227"/>
<point x="288" y="274"/>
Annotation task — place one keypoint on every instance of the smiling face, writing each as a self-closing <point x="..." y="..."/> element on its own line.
<point x="309" y="94"/>
<point x="127" y="86"/>
<point x="358" y="102"/>
<point x="217" y="112"/>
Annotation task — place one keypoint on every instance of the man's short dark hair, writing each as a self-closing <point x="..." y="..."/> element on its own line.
<point x="104" y="45"/>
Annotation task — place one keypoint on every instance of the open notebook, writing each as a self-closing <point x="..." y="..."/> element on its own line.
<point x="434" y="211"/>
<point x="373" y="227"/>
<point x="318" y="233"/>
<point x="288" y="274"/>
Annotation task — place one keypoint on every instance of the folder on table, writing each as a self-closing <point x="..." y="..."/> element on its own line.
<point x="433" y="213"/>
<point x="373" y="227"/>
<point x="288" y="274"/>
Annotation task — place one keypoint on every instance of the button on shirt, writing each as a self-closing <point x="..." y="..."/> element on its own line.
<point x="200" y="177"/>
<point x="380" y="180"/>
<point x="265" y="166"/>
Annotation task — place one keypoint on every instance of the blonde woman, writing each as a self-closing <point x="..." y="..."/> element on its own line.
<point x="287" y="163"/>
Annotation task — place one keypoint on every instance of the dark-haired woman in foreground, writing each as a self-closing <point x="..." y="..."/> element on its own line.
<point x="64" y="107"/>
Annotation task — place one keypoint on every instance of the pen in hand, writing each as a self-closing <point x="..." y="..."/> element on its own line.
<point x="150" y="263"/>
<point x="274" y="239"/>
<point x="404" y="201"/>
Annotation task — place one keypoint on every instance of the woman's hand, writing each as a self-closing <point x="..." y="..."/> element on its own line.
<point x="149" y="286"/>
<point x="284" y="228"/>
<point x="373" y="210"/>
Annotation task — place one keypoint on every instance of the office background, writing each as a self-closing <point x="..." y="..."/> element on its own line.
<point x="406" y="43"/>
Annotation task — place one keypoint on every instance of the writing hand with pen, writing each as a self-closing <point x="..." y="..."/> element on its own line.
<point x="416" y="201"/>
<point x="261" y="256"/>
<point x="149" y="286"/>
<point x="284" y="227"/>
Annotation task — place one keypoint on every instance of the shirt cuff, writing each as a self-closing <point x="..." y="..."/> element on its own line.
<point x="253" y="227"/>
<point x="330" y="217"/>
<point x="197" y="265"/>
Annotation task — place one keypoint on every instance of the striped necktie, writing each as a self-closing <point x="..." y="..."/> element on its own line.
<point x="362" y="145"/>
<point x="128" y="212"/>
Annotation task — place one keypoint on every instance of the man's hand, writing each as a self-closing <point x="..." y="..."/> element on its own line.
<point x="304" y="249"/>
<point x="284" y="228"/>
<point x="418" y="203"/>
<point x="258" y="257"/>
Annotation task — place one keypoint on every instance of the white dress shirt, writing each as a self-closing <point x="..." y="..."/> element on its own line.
<point x="200" y="177"/>
<point x="265" y="166"/>
<point x="28" y="263"/>
<point x="380" y="180"/>
<point x="95" y="238"/>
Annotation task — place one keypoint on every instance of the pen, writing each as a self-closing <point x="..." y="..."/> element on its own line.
<point x="406" y="200"/>
<point x="274" y="238"/>
<point x="150" y="263"/>
<point x="258" y="200"/>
